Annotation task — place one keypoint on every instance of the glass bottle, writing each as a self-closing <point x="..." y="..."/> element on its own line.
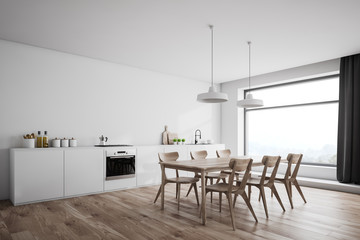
<point x="39" y="142"/>
<point x="45" y="140"/>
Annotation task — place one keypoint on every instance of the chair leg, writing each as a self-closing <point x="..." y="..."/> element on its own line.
<point x="287" y="183"/>
<point x="299" y="190"/>
<point x="211" y="194"/>
<point x="220" y="199"/>
<point x="191" y="186"/>
<point x="262" y="192"/>
<point x="290" y="188"/>
<point x="249" y="191"/>
<point x="158" y="194"/>
<point x="178" y="194"/>
<point x="177" y="190"/>
<point x="273" y="189"/>
<point x="247" y="201"/>
<point x="196" y="193"/>
<point x="231" y="210"/>
<point x="259" y="196"/>
<point x="272" y="193"/>
<point x="235" y="197"/>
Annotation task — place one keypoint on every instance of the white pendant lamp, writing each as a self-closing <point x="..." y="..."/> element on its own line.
<point x="212" y="96"/>
<point x="249" y="101"/>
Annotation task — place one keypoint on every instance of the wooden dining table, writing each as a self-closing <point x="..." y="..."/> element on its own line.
<point x="201" y="166"/>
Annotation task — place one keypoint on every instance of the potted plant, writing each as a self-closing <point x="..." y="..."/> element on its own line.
<point x="183" y="141"/>
<point x="175" y="141"/>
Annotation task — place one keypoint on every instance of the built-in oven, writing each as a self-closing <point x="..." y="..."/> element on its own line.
<point x="120" y="163"/>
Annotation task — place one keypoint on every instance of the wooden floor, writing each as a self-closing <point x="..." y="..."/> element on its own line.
<point x="131" y="214"/>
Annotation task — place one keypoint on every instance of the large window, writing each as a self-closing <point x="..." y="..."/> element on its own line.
<point x="298" y="117"/>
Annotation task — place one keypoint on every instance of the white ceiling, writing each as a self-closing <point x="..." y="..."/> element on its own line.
<point x="172" y="36"/>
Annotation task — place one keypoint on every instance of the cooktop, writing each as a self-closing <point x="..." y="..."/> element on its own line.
<point x="114" y="145"/>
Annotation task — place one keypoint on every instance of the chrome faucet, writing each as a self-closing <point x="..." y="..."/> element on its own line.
<point x="197" y="135"/>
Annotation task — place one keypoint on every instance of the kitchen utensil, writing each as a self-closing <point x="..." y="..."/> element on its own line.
<point x="172" y="136"/>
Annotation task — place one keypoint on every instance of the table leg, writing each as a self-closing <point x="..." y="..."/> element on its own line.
<point x="203" y="197"/>
<point x="162" y="186"/>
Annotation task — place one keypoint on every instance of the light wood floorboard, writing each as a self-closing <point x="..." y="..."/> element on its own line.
<point x="131" y="214"/>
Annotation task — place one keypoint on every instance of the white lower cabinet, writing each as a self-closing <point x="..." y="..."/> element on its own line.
<point x="148" y="170"/>
<point x="44" y="174"/>
<point x="84" y="171"/>
<point x="36" y="175"/>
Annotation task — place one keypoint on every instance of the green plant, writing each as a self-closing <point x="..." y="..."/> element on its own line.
<point x="183" y="140"/>
<point x="175" y="140"/>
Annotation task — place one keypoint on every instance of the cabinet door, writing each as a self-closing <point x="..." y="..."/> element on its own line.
<point x="148" y="170"/>
<point x="84" y="171"/>
<point x="37" y="175"/>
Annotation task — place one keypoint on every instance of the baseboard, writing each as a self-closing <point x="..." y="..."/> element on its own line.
<point x="329" y="185"/>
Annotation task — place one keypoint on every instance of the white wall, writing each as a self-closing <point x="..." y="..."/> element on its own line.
<point x="74" y="96"/>
<point x="232" y="118"/>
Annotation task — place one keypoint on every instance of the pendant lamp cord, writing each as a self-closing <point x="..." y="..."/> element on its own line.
<point x="212" y="54"/>
<point x="249" y="43"/>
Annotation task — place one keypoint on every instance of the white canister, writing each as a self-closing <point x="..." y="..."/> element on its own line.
<point x="29" y="143"/>
<point x="56" y="142"/>
<point x="64" y="142"/>
<point x="73" y="142"/>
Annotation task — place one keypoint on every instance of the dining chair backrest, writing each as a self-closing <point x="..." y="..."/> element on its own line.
<point x="198" y="154"/>
<point x="169" y="157"/>
<point x="293" y="159"/>
<point x="239" y="165"/>
<point x="223" y="153"/>
<point x="270" y="162"/>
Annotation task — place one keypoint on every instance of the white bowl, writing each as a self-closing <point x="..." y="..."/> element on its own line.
<point x="29" y="143"/>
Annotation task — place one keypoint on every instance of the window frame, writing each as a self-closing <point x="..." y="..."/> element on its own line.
<point x="246" y="110"/>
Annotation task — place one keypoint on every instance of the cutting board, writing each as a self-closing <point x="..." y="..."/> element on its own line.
<point x="171" y="137"/>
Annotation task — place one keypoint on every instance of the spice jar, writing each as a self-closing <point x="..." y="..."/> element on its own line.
<point x="64" y="142"/>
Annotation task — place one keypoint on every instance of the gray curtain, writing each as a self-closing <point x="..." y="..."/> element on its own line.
<point x="348" y="150"/>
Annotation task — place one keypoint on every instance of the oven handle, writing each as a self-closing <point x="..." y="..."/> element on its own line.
<point x="117" y="157"/>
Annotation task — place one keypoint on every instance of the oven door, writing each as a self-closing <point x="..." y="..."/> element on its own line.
<point x="118" y="167"/>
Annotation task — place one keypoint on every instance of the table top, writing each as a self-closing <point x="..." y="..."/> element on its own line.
<point x="208" y="164"/>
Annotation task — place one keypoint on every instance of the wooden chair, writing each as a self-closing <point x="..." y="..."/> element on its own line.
<point x="268" y="162"/>
<point x="173" y="156"/>
<point x="224" y="154"/>
<point x="209" y="176"/>
<point x="290" y="178"/>
<point x="197" y="155"/>
<point x="228" y="188"/>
